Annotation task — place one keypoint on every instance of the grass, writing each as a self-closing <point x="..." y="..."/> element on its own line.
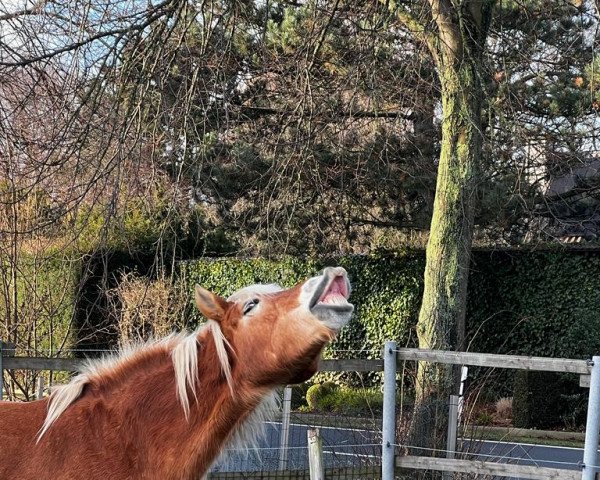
<point x="538" y="437"/>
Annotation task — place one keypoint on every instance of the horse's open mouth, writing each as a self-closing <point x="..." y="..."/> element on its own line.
<point x="332" y="292"/>
<point x="336" y="292"/>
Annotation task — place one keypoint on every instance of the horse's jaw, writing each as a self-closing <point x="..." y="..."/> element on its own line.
<point x="326" y="297"/>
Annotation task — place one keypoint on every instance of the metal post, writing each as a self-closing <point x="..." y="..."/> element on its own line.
<point x="592" y="425"/>
<point x="284" y="438"/>
<point x="315" y="455"/>
<point x="40" y="387"/>
<point x="389" y="412"/>
<point x="452" y="431"/>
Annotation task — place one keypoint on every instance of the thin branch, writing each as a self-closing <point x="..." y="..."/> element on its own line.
<point x="415" y="26"/>
<point x="159" y="13"/>
<point x="254" y="112"/>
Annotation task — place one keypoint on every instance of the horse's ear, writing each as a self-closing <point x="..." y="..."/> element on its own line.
<point x="210" y="305"/>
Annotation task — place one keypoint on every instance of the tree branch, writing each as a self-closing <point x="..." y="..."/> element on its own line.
<point x="255" y="112"/>
<point x="158" y="12"/>
<point x="449" y="33"/>
<point x="36" y="9"/>
<point x="415" y="26"/>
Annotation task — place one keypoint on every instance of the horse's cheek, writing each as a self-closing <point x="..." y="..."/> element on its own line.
<point x="303" y="374"/>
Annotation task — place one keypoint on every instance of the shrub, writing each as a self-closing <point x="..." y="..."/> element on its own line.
<point x="504" y="409"/>
<point x="484" y="419"/>
<point x="299" y="395"/>
<point x="328" y="397"/>
<point x="147" y="308"/>
<point x="316" y="394"/>
<point x="537" y="399"/>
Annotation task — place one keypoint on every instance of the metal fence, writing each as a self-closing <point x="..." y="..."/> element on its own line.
<point x="485" y="459"/>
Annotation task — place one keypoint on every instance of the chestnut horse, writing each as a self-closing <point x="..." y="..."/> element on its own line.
<point x="166" y="409"/>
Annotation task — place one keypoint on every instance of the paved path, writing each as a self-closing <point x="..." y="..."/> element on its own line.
<point x="526" y="454"/>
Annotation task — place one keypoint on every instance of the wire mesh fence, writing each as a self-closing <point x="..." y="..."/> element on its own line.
<point x="487" y="445"/>
<point x="351" y="449"/>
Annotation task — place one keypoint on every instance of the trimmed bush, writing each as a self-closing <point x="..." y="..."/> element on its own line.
<point x="317" y="393"/>
<point x="538" y="400"/>
<point x="328" y="397"/>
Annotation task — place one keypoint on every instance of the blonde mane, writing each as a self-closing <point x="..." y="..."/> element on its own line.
<point x="184" y="354"/>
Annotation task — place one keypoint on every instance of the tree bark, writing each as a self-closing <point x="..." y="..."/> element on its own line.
<point x="459" y="42"/>
<point x="441" y="322"/>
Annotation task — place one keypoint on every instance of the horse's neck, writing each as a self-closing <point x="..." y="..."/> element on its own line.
<point x="189" y="446"/>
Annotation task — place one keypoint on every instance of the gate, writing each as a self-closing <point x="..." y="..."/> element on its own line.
<point x="589" y="371"/>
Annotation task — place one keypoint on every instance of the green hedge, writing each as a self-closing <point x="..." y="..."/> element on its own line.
<point x="545" y="303"/>
<point x="535" y="303"/>
<point x="386" y="292"/>
<point x="530" y="303"/>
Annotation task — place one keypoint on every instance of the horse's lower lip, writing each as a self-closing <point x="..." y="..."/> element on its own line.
<point x="340" y="307"/>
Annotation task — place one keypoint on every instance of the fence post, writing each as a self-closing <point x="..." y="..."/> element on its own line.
<point x="315" y="454"/>
<point x="452" y="432"/>
<point x="389" y="412"/>
<point x="592" y="425"/>
<point x="40" y="388"/>
<point x="284" y="438"/>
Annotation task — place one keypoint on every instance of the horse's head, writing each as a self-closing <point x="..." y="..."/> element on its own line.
<point x="277" y="335"/>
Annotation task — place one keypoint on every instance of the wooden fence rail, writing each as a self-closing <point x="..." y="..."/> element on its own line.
<point x="588" y="369"/>
<point x="520" y="362"/>
<point x="74" y="364"/>
<point x="479" y="467"/>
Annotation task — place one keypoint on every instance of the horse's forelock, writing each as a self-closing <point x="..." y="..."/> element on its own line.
<point x="247" y="293"/>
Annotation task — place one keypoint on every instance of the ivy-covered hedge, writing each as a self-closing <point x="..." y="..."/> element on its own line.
<point x="385" y="290"/>
<point x="535" y="303"/>
<point x="544" y="303"/>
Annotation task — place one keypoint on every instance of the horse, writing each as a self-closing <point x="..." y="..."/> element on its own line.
<point x="166" y="409"/>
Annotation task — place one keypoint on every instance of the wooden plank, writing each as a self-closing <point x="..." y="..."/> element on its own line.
<point x="496" y="360"/>
<point x="39" y="363"/>
<point x="584" y="381"/>
<point x="362" y="365"/>
<point x="351" y="365"/>
<point x="73" y="364"/>
<point x="479" y="467"/>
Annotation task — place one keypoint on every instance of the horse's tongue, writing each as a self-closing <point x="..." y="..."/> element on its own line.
<point x="336" y="290"/>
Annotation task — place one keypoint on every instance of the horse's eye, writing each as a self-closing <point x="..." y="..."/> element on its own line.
<point x="249" y="305"/>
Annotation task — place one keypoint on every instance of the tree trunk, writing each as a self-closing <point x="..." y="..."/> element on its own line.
<point x="442" y="316"/>
<point x="441" y="321"/>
